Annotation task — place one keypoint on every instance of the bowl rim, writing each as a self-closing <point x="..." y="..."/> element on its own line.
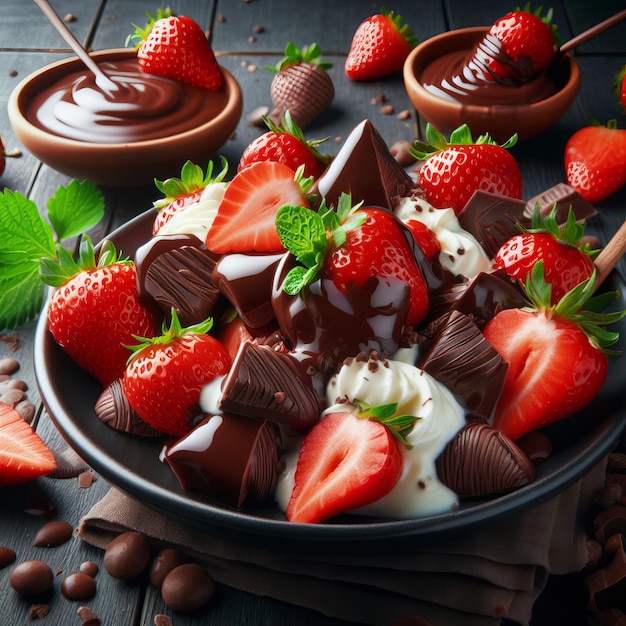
<point x="412" y="83"/>
<point x="19" y="119"/>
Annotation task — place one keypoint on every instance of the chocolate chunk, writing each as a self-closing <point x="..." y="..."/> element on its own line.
<point x="481" y="461"/>
<point x="31" y="577"/>
<point x="607" y="586"/>
<point x="462" y="359"/>
<point x="231" y="458"/>
<point x="8" y="366"/>
<point x="69" y="464"/>
<point x="78" y="587"/>
<point x="164" y="562"/>
<point x="610" y="522"/>
<point x="245" y="280"/>
<point x="270" y="385"/>
<point x="493" y="218"/>
<point x="89" y="567"/>
<point x="7" y="556"/>
<point x="127" y="555"/>
<point x="114" y="409"/>
<point x="53" y="534"/>
<point x="187" y="587"/>
<point x="175" y="271"/>
<point x="563" y="197"/>
<point x="38" y="611"/>
<point x="366" y="169"/>
<point x="87" y="616"/>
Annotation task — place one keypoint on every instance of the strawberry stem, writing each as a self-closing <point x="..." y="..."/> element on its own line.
<point x="400" y="426"/>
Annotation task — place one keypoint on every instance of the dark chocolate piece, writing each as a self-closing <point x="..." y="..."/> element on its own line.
<point x="30" y="578"/>
<point x="175" y="272"/>
<point x="7" y="556"/>
<point x="481" y="461"/>
<point x="462" y="359"/>
<point x="610" y="522"/>
<point x="114" y="409"/>
<point x="270" y="385"/>
<point x="163" y="563"/>
<point x="366" y="169"/>
<point x="246" y="281"/>
<point x="230" y="458"/>
<point x="127" y="555"/>
<point x="53" y="534"/>
<point x="492" y="219"/>
<point x="78" y="587"/>
<point x="187" y="587"/>
<point x="607" y="586"/>
<point x="563" y="197"/>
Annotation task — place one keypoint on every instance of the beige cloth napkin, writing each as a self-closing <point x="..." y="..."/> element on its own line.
<point x="492" y="570"/>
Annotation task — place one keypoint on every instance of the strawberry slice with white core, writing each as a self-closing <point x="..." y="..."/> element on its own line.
<point x="245" y="220"/>
<point x="23" y="454"/>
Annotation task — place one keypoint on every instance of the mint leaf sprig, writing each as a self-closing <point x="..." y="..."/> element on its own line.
<point x="26" y="238"/>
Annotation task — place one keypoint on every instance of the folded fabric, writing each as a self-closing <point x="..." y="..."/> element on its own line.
<point x="476" y="577"/>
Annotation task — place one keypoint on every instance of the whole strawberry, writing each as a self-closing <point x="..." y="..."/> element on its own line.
<point x="166" y="374"/>
<point x="557" y="356"/>
<point x="175" y="47"/>
<point x="379" y="47"/>
<point x="301" y="85"/>
<point x="285" y="143"/>
<point x="619" y="87"/>
<point x="95" y="309"/>
<point x="527" y="41"/>
<point x="180" y="193"/>
<point x="595" y="161"/>
<point x="566" y="262"/>
<point x="452" y="171"/>
<point x="4" y="154"/>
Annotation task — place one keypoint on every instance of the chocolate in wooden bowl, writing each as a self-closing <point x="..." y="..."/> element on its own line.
<point x="122" y="161"/>
<point x="501" y="119"/>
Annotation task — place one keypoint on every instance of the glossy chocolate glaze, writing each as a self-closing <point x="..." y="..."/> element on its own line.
<point x="175" y="271"/>
<point x="143" y="107"/>
<point x="563" y="197"/>
<point x="230" y="458"/>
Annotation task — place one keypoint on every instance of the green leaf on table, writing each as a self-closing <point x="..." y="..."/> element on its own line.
<point x="21" y="294"/>
<point x="75" y="208"/>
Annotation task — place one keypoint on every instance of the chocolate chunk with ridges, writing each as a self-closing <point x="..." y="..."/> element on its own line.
<point x="610" y="522"/>
<point x="481" y="461"/>
<point x="245" y="280"/>
<point x="187" y="587"/>
<point x="53" y="534"/>
<point x="230" y="458"/>
<point x="564" y="197"/>
<point x="492" y="218"/>
<point x="270" y="385"/>
<point x="127" y="555"/>
<point x="462" y="359"/>
<point x="175" y="271"/>
<point x="607" y="586"/>
<point x="114" y="409"/>
<point x="366" y="169"/>
<point x="31" y="577"/>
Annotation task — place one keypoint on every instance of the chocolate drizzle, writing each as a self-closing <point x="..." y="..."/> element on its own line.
<point x="266" y="384"/>
<point x="175" y="271"/>
<point x="462" y="359"/>
<point x="481" y="461"/>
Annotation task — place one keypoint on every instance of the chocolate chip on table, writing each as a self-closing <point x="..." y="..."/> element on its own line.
<point x="127" y="555"/>
<point x="87" y="616"/>
<point x="162" y="620"/>
<point x="78" y="587"/>
<point x="7" y="556"/>
<point x="53" y="534"/>
<point x="164" y="562"/>
<point x="187" y="587"/>
<point x="9" y="366"/>
<point x="38" y="611"/>
<point x="31" y="577"/>
<point x="90" y="568"/>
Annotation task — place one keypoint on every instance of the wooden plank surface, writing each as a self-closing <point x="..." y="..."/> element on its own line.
<point x="28" y="43"/>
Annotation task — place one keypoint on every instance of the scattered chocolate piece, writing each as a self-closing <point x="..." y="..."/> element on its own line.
<point x="69" y="464"/>
<point x="27" y="410"/>
<point x="53" y="534"/>
<point x="86" y="479"/>
<point x="221" y="18"/>
<point x="607" y="586"/>
<point x="13" y="339"/>
<point x="31" y="577"/>
<point x="127" y="555"/>
<point x="258" y="29"/>
<point x="89" y="567"/>
<point x="7" y="556"/>
<point x="164" y="562"/>
<point x="38" y="611"/>
<point x="162" y="620"/>
<point x="113" y="408"/>
<point x="266" y="384"/>
<point x="609" y="522"/>
<point x="388" y="109"/>
<point x="481" y="461"/>
<point x="9" y="366"/>
<point x="255" y="118"/>
<point x="401" y="153"/>
<point x="231" y="458"/>
<point x="69" y="17"/>
<point x="87" y="616"/>
<point x="187" y="587"/>
<point x="78" y="587"/>
<point x="563" y="197"/>
<point x="404" y="115"/>
<point x="13" y="72"/>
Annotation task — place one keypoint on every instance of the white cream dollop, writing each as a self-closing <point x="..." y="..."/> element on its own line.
<point x="197" y="218"/>
<point x="418" y="492"/>
<point x="460" y="251"/>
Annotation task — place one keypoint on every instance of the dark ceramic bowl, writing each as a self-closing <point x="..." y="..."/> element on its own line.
<point x="120" y="164"/>
<point x="132" y="464"/>
<point x="499" y="120"/>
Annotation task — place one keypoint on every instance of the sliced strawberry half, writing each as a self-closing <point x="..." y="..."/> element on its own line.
<point x="245" y="220"/>
<point x="345" y="462"/>
<point x="23" y="454"/>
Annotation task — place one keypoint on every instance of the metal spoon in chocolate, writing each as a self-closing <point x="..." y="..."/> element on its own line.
<point x="102" y="80"/>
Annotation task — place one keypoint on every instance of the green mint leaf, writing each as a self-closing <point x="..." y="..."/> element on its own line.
<point x="75" y="208"/>
<point x="295" y="280"/>
<point x="21" y="294"/>
<point x="302" y="232"/>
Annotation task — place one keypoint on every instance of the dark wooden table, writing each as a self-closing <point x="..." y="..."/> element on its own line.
<point x="248" y="35"/>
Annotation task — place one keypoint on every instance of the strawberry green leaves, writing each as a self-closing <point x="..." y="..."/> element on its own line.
<point x="27" y="238"/>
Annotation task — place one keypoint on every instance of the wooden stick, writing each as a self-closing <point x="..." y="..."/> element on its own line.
<point x="593" y="31"/>
<point x="610" y="255"/>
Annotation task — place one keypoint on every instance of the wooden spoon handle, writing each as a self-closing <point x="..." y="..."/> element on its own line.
<point x="610" y="255"/>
